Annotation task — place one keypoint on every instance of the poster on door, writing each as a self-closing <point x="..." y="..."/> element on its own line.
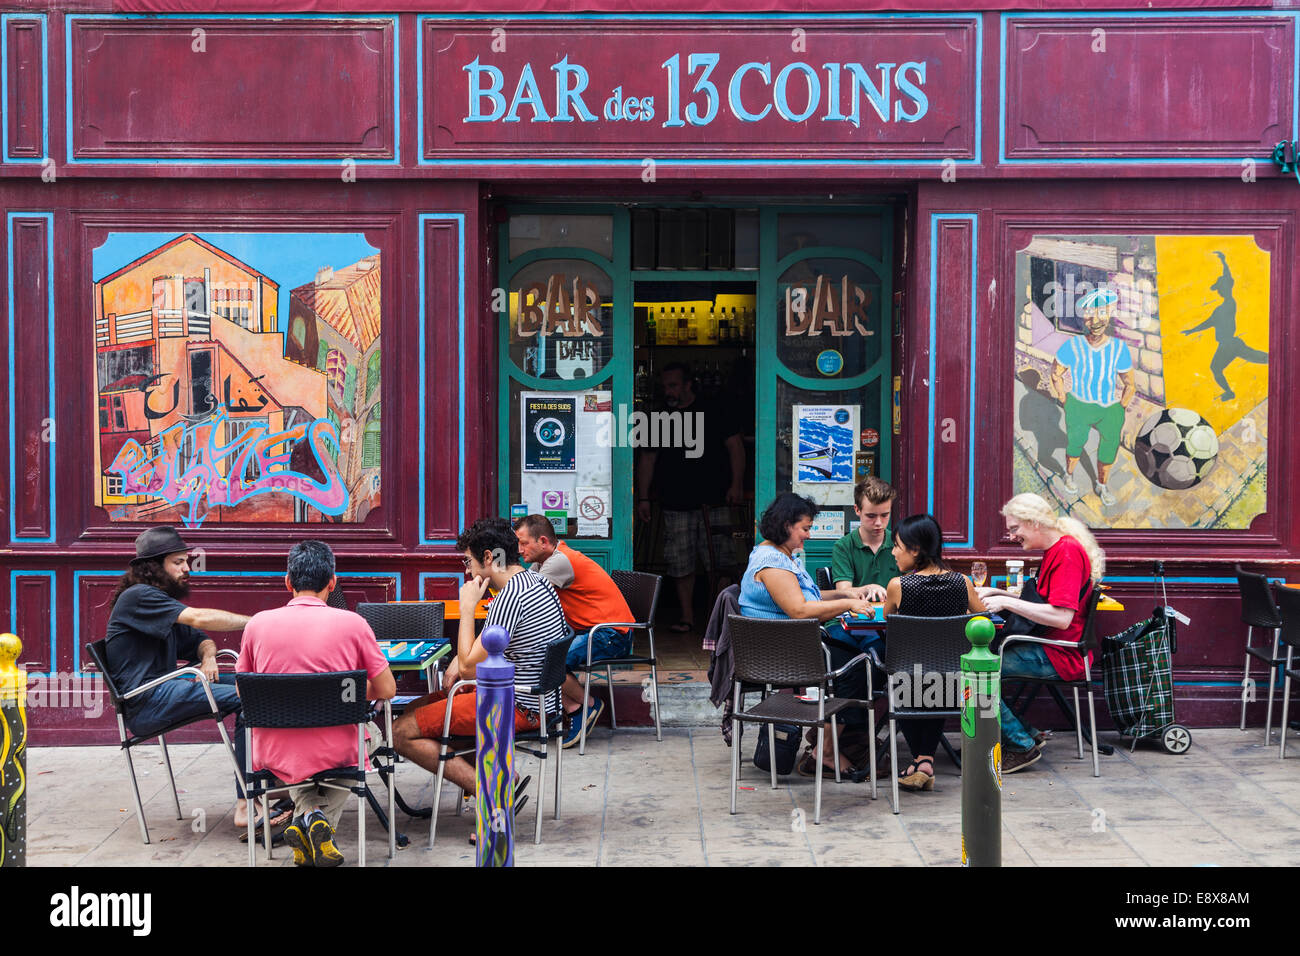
<point x="825" y="442"/>
<point x="548" y="432"/>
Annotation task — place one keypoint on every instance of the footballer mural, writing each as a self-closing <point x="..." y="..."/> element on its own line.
<point x="1141" y="395"/>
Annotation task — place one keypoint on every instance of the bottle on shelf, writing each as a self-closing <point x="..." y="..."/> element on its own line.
<point x="694" y="328"/>
<point x="650" y="326"/>
<point x="682" y="333"/>
<point x="641" y="383"/>
<point x="723" y="325"/>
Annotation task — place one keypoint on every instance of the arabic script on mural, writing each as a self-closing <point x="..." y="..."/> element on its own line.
<point x="223" y="474"/>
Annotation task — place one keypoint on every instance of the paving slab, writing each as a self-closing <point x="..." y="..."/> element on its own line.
<point x="634" y="801"/>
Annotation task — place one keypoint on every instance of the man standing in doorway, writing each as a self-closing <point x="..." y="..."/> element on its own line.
<point x="1101" y="387"/>
<point x="711" y="477"/>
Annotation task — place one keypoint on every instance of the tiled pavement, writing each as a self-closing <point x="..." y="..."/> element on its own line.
<point x="634" y="801"/>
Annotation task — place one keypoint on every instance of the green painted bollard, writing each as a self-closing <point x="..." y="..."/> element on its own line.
<point x="981" y="749"/>
<point x="13" y="744"/>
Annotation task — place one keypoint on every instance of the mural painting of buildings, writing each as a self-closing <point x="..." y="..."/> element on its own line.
<point x="206" y="414"/>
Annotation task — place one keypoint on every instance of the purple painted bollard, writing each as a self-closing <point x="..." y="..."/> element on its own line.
<point x="496" y="749"/>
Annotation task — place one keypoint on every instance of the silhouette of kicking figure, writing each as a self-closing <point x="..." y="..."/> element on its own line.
<point x="1224" y="322"/>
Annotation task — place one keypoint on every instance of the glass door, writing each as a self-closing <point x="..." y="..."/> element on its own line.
<point x="825" y="356"/>
<point x="565" y="370"/>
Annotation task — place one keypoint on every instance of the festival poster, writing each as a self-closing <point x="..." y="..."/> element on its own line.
<point x="549" y="431"/>
<point x="826" y="440"/>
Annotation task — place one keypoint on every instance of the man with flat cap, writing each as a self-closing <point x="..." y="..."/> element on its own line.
<point x="149" y="630"/>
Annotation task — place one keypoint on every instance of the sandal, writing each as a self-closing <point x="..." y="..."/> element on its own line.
<point x="279" y="823"/>
<point x="914" y="778"/>
<point x="806" y="765"/>
<point x="682" y="627"/>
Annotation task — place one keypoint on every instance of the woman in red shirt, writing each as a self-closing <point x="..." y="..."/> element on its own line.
<point x="1072" y="564"/>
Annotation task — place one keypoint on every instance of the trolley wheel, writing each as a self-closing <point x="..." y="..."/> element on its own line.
<point x="1176" y="739"/>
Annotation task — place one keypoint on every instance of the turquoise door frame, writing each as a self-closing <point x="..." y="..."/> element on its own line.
<point x="616" y="551"/>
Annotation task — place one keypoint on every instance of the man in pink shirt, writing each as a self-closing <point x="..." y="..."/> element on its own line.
<point x="308" y="637"/>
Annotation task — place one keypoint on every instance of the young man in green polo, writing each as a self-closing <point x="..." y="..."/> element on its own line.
<point x="865" y="556"/>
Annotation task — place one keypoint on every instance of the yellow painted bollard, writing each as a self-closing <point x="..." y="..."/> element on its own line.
<point x="13" y="758"/>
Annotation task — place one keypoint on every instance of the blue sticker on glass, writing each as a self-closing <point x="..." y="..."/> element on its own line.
<point x="841" y="416"/>
<point x="830" y="362"/>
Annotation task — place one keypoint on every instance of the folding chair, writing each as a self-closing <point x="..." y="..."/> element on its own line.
<point x="549" y="726"/>
<point x="98" y="651"/>
<point x="310" y="701"/>
<point x="935" y="645"/>
<point x="783" y="653"/>
<point x="1029" y="685"/>
<point x="641" y="592"/>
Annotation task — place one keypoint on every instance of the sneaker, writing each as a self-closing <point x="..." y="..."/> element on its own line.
<point x="1104" y="494"/>
<point x="320" y="836"/>
<point x="577" y="721"/>
<point x="1013" y="760"/>
<point x="1067" y="482"/>
<point x="295" y="834"/>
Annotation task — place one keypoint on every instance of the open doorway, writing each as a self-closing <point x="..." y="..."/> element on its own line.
<point x="694" y="388"/>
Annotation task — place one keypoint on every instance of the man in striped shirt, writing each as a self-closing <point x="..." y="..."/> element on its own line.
<point x="527" y="607"/>
<point x="1101" y="387"/>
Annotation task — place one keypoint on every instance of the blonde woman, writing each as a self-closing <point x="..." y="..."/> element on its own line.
<point x="1072" y="564"/>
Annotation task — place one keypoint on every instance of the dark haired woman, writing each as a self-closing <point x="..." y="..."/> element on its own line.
<point x="926" y="588"/>
<point x="775" y="585"/>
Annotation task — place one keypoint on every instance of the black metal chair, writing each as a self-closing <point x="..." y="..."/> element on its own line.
<point x="1288" y="603"/>
<point x="823" y="578"/>
<point x="337" y="598"/>
<point x="928" y="645"/>
<point x="782" y="653"/>
<point x="1029" y="686"/>
<point x="310" y="701"/>
<point x="550" y="726"/>
<point x="98" y="651"/>
<point x="420" y="621"/>
<point x="1258" y="609"/>
<point x="641" y="592"/>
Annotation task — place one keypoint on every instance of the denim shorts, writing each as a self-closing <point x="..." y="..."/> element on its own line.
<point x="606" y="643"/>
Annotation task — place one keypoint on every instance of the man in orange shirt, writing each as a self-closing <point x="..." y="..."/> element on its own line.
<point x="589" y="597"/>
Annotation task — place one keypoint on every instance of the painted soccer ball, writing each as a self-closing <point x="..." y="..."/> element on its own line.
<point x="1176" y="448"/>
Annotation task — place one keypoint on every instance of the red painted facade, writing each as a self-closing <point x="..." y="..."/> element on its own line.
<point x="355" y="123"/>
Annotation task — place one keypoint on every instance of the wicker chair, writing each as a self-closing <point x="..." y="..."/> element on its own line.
<point x="1288" y="600"/>
<point x="785" y="654"/>
<point x="935" y="645"/>
<point x="641" y="592"/>
<point x="421" y="621"/>
<point x="284" y="701"/>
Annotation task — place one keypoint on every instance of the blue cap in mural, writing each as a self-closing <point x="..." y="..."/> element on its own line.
<point x="1098" y="299"/>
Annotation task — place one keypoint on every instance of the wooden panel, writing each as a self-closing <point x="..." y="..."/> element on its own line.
<point x="954" y="251"/>
<point x="32" y="449"/>
<point x="240" y="592"/>
<point x="445" y="474"/>
<point x="24" y="108"/>
<point x="876" y="89"/>
<point x="1165" y="86"/>
<point x="238" y="89"/>
<point x="33" y="618"/>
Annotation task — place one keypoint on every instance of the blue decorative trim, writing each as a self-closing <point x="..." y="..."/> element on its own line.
<point x="49" y="325"/>
<point x="459" y="219"/>
<point x="973" y="219"/>
<point x="680" y="162"/>
<point x="394" y="576"/>
<point x="1137" y="15"/>
<point x="437" y="574"/>
<point x="45" y="87"/>
<point x="14" y="575"/>
<point x="251" y="161"/>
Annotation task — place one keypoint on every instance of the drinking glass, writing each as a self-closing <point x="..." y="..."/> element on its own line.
<point x="979" y="573"/>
